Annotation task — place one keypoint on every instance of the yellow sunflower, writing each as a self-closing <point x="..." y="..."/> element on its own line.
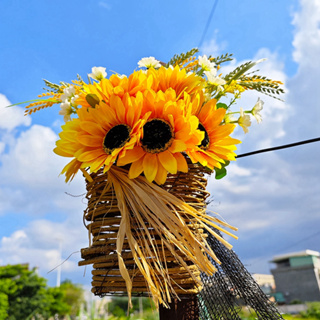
<point x="216" y="146"/>
<point x="67" y="146"/>
<point x="177" y="79"/>
<point x="117" y="85"/>
<point x="169" y="131"/>
<point x="102" y="133"/>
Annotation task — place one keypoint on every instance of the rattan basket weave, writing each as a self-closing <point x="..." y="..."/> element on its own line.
<point x="103" y="218"/>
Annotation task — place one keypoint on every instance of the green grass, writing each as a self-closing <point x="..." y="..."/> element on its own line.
<point x="297" y="317"/>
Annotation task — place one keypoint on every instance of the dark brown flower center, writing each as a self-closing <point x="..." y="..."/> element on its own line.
<point x="157" y="136"/>
<point x="116" y="137"/>
<point x="206" y="140"/>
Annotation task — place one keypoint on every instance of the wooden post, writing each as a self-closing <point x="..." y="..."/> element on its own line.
<point x="184" y="309"/>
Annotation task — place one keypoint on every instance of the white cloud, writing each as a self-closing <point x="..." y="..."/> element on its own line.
<point x="29" y="175"/>
<point x="105" y="5"/>
<point x="305" y="84"/>
<point x="2" y="146"/>
<point x="38" y="245"/>
<point x="12" y="117"/>
<point x="270" y="197"/>
<point x="30" y="185"/>
<point x="307" y="34"/>
<point x="274" y="113"/>
<point x="239" y="171"/>
<point x="278" y="202"/>
<point x="212" y="47"/>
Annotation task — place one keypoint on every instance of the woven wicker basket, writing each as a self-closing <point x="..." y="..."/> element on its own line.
<point x="103" y="219"/>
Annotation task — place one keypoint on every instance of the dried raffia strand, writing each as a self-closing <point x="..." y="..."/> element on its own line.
<point x="142" y="233"/>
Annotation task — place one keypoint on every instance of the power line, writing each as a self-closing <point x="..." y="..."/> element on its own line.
<point x="253" y="262"/>
<point x="208" y="23"/>
<point x="286" y="247"/>
<point x="298" y="242"/>
<point x="278" y="148"/>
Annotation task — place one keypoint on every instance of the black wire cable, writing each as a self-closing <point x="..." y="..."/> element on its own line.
<point x="278" y="148"/>
<point x="262" y="150"/>
<point x="208" y="23"/>
<point x="283" y="249"/>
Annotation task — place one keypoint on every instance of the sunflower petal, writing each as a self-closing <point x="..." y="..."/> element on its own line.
<point x="116" y="104"/>
<point x="130" y="156"/>
<point x="177" y="146"/>
<point x="90" y="155"/>
<point x="71" y="169"/>
<point x="161" y="176"/>
<point x="150" y="166"/>
<point x="92" y="128"/>
<point x="135" y="169"/>
<point x="90" y="141"/>
<point x="168" y="161"/>
<point x="62" y="153"/>
<point x="97" y="163"/>
<point x="181" y="162"/>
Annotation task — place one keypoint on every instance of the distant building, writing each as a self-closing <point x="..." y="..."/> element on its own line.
<point x="297" y="276"/>
<point x="265" y="282"/>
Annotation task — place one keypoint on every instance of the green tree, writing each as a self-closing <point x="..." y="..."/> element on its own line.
<point x="4" y="305"/>
<point x="73" y="296"/>
<point x="26" y="292"/>
<point x="119" y="307"/>
<point x="25" y="295"/>
<point x="58" y="304"/>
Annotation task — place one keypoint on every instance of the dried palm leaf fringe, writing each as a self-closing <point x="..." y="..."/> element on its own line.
<point x="146" y="205"/>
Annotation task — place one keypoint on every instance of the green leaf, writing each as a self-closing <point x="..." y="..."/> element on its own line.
<point x="92" y="99"/>
<point x="222" y="172"/>
<point x="31" y="101"/>
<point x="222" y="105"/>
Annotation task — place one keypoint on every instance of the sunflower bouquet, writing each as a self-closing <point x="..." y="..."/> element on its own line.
<point x="145" y="143"/>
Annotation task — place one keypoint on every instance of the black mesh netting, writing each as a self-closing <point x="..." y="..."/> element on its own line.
<point x="230" y="287"/>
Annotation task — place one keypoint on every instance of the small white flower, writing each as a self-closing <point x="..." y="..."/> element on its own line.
<point x="66" y="110"/>
<point x="213" y="79"/>
<point x="68" y="92"/>
<point x="244" y="121"/>
<point x="150" y="62"/>
<point x="256" y="109"/>
<point x="207" y="95"/>
<point x="74" y="98"/>
<point x="98" y="73"/>
<point x="220" y="88"/>
<point x="229" y="118"/>
<point x="205" y="63"/>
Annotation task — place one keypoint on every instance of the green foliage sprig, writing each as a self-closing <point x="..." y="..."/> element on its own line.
<point x="221" y="59"/>
<point x="179" y="58"/>
<point x="52" y="86"/>
<point x="262" y="84"/>
<point x="239" y="71"/>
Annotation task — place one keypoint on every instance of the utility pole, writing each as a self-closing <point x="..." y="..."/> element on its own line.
<point x="59" y="266"/>
<point x="185" y="308"/>
<point x="140" y="307"/>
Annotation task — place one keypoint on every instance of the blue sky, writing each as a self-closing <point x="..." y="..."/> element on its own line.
<point x="272" y="198"/>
